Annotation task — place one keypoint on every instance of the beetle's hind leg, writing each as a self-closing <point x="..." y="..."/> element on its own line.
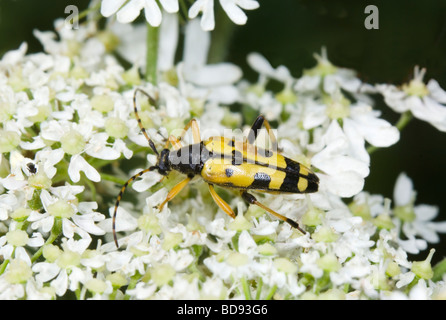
<point x="220" y="202"/>
<point x="255" y="129"/>
<point x="252" y="200"/>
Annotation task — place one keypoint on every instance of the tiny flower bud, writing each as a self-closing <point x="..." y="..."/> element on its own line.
<point x="96" y="286"/>
<point x="102" y="103"/>
<point x="9" y="140"/>
<point x="17" y="238"/>
<point x="423" y="269"/>
<point x="162" y="274"/>
<point x="61" y="209"/>
<point x="116" y="128"/>
<point x="171" y="240"/>
<point x="18" y="272"/>
<point x="285" y="265"/>
<point x="72" y="142"/>
<point x="237" y="259"/>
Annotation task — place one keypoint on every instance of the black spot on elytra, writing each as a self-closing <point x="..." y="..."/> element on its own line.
<point x="261" y="181"/>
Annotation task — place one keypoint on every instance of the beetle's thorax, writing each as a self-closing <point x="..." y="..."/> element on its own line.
<point x="189" y="159"/>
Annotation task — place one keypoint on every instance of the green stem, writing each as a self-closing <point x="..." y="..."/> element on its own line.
<point x="133" y="281"/>
<point x="271" y="293"/>
<point x="221" y="37"/>
<point x="109" y="177"/>
<point x="259" y="289"/>
<point x="152" y="53"/>
<point x="55" y="232"/>
<point x="3" y="266"/>
<point x="246" y="289"/>
<point x="400" y="125"/>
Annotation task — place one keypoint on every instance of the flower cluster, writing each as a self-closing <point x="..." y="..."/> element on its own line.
<point x="70" y="139"/>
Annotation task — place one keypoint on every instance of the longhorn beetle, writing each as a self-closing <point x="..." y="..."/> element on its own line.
<point x="227" y="163"/>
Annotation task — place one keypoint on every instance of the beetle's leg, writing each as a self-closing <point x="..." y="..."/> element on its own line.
<point x="193" y="124"/>
<point x="255" y="128"/>
<point x="252" y="200"/>
<point x="175" y="190"/>
<point x="220" y="202"/>
<point x="176" y="144"/>
<point x="118" y="199"/>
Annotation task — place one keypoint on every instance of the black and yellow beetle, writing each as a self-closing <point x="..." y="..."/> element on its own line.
<point x="227" y="163"/>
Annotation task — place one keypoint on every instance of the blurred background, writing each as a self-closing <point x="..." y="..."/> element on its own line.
<point x="288" y="32"/>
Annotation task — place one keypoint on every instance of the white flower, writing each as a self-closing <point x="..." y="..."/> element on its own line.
<point x="327" y="77"/>
<point x="233" y="9"/>
<point x="425" y="102"/>
<point x="342" y="174"/>
<point x="128" y="10"/>
<point x="61" y="205"/>
<point x="416" y="220"/>
<point x="360" y="124"/>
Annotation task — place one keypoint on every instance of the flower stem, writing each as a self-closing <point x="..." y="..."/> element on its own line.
<point x="55" y="232"/>
<point x="109" y="177"/>
<point x="259" y="288"/>
<point x="221" y="37"/>
<point x="152" y="53"/>
<point x="246" y="290"/>
<point x="271" y="293"/>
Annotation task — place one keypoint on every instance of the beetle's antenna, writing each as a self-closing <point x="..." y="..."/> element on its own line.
<point x="118" y="199"/>
<point x="153" y="102"/>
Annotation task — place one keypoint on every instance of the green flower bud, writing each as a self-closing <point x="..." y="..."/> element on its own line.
<point x="149" y="223"/>
<point x="162" y="274"/>
<point x="96" y="286"/>
<point x="17" y="238"/>
<point x="18" y="272"/>
<point x="39" y="180"/>
<point x="116" y="128"/>
<point x="9" y="140"/>
<point x="51" y="252"/>
<point x="72" y="142"/>
<point x="61" y="209"/>
<point x="117" y="279"/>
<point x="285" y="265"/>
<point x="240" y="223"/>
<point x="20" y="214"/>
<point x="171" y="240"/>
<point x="423" y="269"/>
<point x="102" y="103"/>
<point x="237" y="259"/>
<point x="69" y="259"/>
<point x="325" y="234"/>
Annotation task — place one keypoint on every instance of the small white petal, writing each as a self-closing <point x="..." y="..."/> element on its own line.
<point x="130" y="11"/>
<point x="436" y="91"/>
<point x="152" y="13"/>
<point x="78" y="164"/>
<point x="109" y="7"/>
<point x="170" y="6"/>
<point x="403" y="191"/>
<point x="234" y="12"/>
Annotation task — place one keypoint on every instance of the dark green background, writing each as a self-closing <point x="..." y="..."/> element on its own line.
<point x="288" y="32"/>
